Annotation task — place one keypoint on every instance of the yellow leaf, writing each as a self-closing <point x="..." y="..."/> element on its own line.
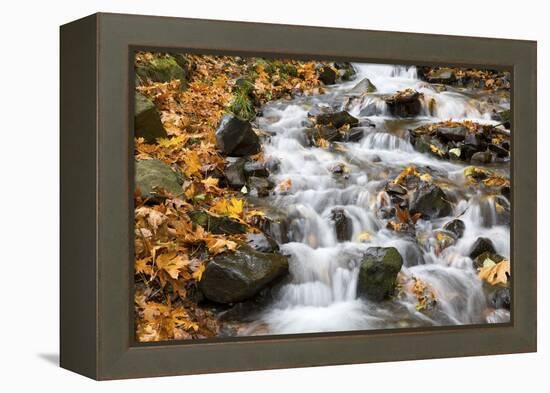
<point x="496" y="274"/>
<point x="171" y="263"/>
<point x="231" y="208"/>
<point x="197" y="274"/>
<point x="141" y="266"/>
<point x="192" y="163"/>
<point x="322" y="143"/>
<point x="364" y="236"/>
<point x="217" y="245"/>
<point x="285" y="186"/>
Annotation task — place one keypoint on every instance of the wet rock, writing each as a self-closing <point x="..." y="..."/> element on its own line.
<point x="234" y="172"/>
<point x="505" y="192"/>
<point x="363" y="87"/>
<point x="261" y="242"/>
<point x="346" y="72"/>
<point x="430" y="201"/>
<point x="338" y="169"/>
<point x="444" y="239"/>
<point x="452" y="134"/>
<point x="481" y="258"/>
<point x="412" y="254"/>
<point x="501" y="298"/>
<point x="378" y="272"/>
<point x="394" y="188"/>
<point x="504" y="117"/>
<point x="162" y="69"/>
<point x="337" y="119"/>
<point x="481" y="245"/>
<point x="500" y="151"/>
<point x="255" y="168"/>
<point x="404" y="103"/>
<point x="327" y="75"/>
<point x="442" y="75"/>
<point x="217" y="225"/>
<point x="481" y="157"/>
<point x="273" y="164"/>
<point x="342" y="224"/>
<point x="154" y="175"/>
<point x="259" y="186"/>
<point x="456" y="226"/>
<point x="235" y="137"/>
<point x="147" y="123"/>
<point x="235" y="277"/>
<point x="353" y="135"/>
<point x="275" y="225"/>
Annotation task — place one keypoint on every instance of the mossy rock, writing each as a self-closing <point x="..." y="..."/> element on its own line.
<point x="217" y="225"/>
<point x="239" y="276"/>
<point x="147" y="123"/>
<point x="154" y="175"/>
<point x="163" y="69"/>
<point x="378" y="273"/>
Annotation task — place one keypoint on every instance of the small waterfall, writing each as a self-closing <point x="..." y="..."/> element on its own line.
<point x="320" y="294"/>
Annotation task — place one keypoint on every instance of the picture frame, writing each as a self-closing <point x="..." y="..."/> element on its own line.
<point x="96" y="273"/>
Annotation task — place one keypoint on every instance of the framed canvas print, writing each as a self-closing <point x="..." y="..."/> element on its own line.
<point x="239" y="196"/>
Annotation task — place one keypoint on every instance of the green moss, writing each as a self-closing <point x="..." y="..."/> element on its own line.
<point x="242" y="105"/>
<point x="162" y="69"/>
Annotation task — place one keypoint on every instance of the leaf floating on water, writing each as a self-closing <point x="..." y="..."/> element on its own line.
<point x="495" y="274"/>
<point x="285" y="186"/>
<point x="364" y="236"/>
<point x="322" y="143"/>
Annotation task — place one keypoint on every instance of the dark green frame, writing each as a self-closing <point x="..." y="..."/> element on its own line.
<point x="97" y="178"/>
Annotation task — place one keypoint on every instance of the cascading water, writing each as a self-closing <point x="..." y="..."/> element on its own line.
<point x="321" y="293"/>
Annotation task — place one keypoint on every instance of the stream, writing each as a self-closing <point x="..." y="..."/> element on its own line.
<point x="320" y="295"/>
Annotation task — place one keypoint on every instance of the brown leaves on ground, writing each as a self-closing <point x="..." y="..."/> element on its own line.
<point x="171" y="252"/>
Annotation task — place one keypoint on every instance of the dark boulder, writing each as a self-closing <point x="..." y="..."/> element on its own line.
<point x="337" y="119"/>
<point x="259" y="186"/>
<point x="457" y="227"/>
<point x="452" y="134"/>
<point x="481" y="157"/>
<point x="504" y="117"/>
<point x="363" y="87"/>
<point x="394" y="188"/>
<point x="342" y="224"/>
<point x="404" y="103"/>
<point x="352" y="135"/>
<point x="235" y="277"/>
<point x="234" y="172"/>
<point x="261" y="242"/>
<point x="430" y="201"/>
<point x="255" y="168"/>
<point x="481" y="245"/>
<point x="501" y="298"/>
<point x="217" y="225"/>
<point x="162" y="69"/>
<point x="326" y="74"/>
<point x="147" y="123"/>
<point x="154" y="175"/>
<point x="345" y="70"/>
<point x="500" y="151"/>
<point x="378" y="273"/>
<point x="235" y="137"/>
<point x="481" y="258"/>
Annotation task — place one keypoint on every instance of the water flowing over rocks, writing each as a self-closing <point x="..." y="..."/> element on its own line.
<point x="367" y="191"/>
